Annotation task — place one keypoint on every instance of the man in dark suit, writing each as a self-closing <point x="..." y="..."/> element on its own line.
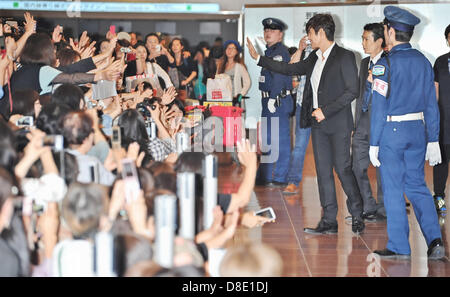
<point x="331" y="86"/>
<point x="373" y="44"/>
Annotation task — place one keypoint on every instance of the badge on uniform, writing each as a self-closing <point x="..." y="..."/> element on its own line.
<point x="380" y="86"/>
<point x="378" y="70"/>
<point x="262" y="79"/>
<point x="278" y="58"/>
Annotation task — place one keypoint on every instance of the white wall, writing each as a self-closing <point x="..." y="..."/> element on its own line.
<point x="350" y="20"/>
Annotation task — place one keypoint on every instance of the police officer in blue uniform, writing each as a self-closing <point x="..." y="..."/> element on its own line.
<point x="404" y="134"/>
<point x="277" y="105"/>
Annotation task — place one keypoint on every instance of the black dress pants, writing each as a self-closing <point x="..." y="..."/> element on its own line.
<point x="332" y="151"/>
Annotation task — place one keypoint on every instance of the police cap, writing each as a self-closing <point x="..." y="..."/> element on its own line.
<point x="400" y="19"/>
<point x="274" y="24"/>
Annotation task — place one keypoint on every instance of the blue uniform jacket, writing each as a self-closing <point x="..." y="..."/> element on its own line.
<point x="412" y="90"/>
<point x="273" y="82"/>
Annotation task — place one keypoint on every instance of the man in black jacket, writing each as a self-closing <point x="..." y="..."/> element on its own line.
<point x="373" y="44"/>
<point x="332" y="84"/>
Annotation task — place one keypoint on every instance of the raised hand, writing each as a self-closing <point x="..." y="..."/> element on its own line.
<point x="84" y="39"/>
<point x="247" y="153"/>
<point x="57" y="34"/>
<point x="168" y="95"/>
<point x="251" y="49"/>
<point x="30" y="23"/>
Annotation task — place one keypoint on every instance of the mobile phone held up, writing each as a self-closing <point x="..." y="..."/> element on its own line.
<point x="25" y="122"/>
<point x="131" y="180"/>
<point x="116" y="140"/>
<point x="267" y="213"/>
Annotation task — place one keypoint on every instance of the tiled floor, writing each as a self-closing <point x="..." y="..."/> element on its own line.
<point x="344" y="254"/>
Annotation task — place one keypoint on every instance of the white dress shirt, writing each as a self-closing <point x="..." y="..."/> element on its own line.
<point x="375" y="59"/>
<point x="317" y="73"/>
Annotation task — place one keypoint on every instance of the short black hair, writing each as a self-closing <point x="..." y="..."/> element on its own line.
<point x="377" y="30"/>
<point x="23" y="102"/>
<point x="447" y="31"/>
<point x="322" y="21"/>
<point x="151" y="34"/>
<point x="50" y="118"/>
<point x="68" y="94"/>
<point x="400" y="36"/>
<point x="77" y="126"/>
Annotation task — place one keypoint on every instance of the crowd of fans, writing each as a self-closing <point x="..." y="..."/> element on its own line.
<point x="66" y="208"/>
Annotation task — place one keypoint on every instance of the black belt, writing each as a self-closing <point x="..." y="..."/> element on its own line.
<point x="267" y="94"/>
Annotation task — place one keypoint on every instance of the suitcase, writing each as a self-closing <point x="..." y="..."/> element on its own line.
<point x="232" y="123"/>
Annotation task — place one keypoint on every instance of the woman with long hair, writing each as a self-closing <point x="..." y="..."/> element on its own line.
<point x="183" y="71"/>
<point x="231" y="64"/>
<point x="143" y="66"/>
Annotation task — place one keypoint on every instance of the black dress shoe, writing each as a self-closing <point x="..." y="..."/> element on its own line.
<point x="436" y="250"/>
<point x="323" y="228"/>
<point x="357" y="225"/>
<point x="370" y="216"/>
<point x="388" y="254"/>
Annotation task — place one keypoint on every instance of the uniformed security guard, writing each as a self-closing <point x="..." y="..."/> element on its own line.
<point x="277" y="105"/>
<point x="405" y="117"/>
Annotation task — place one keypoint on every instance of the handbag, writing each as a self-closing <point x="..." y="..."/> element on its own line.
<point x="219" y="88"/>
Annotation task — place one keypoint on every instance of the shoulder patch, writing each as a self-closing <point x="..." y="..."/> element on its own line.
<point x="278" y="58"/>
<point x="378" y="70"/>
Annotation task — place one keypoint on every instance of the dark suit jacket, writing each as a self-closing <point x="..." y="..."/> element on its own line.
<point x="338" y="87"/>
<point x="363" y="73"/>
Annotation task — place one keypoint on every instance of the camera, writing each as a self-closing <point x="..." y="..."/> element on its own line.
<point x="142" y="107"/>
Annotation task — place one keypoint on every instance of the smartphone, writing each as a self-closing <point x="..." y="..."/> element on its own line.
<point x="112" y="29"/>
<point x="131" y="179"/>
<point x="26" y="121"/>
<point x="158" y="47"/>
<point x="116" y="140"/>
<point x="267" y="213"/>
<point x="56" y="142"/>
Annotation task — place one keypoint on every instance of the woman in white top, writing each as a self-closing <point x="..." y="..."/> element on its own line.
<point x="231" y="64"/>
<point x="142" y="66"/>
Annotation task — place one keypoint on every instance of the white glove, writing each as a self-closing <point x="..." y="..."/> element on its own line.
<point x="373" y="155"/>
<point x="271" y="105"/>
<point x="433" y="154"/>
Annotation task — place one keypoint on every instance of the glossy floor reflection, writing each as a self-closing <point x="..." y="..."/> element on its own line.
<point x="344" y="254"/>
